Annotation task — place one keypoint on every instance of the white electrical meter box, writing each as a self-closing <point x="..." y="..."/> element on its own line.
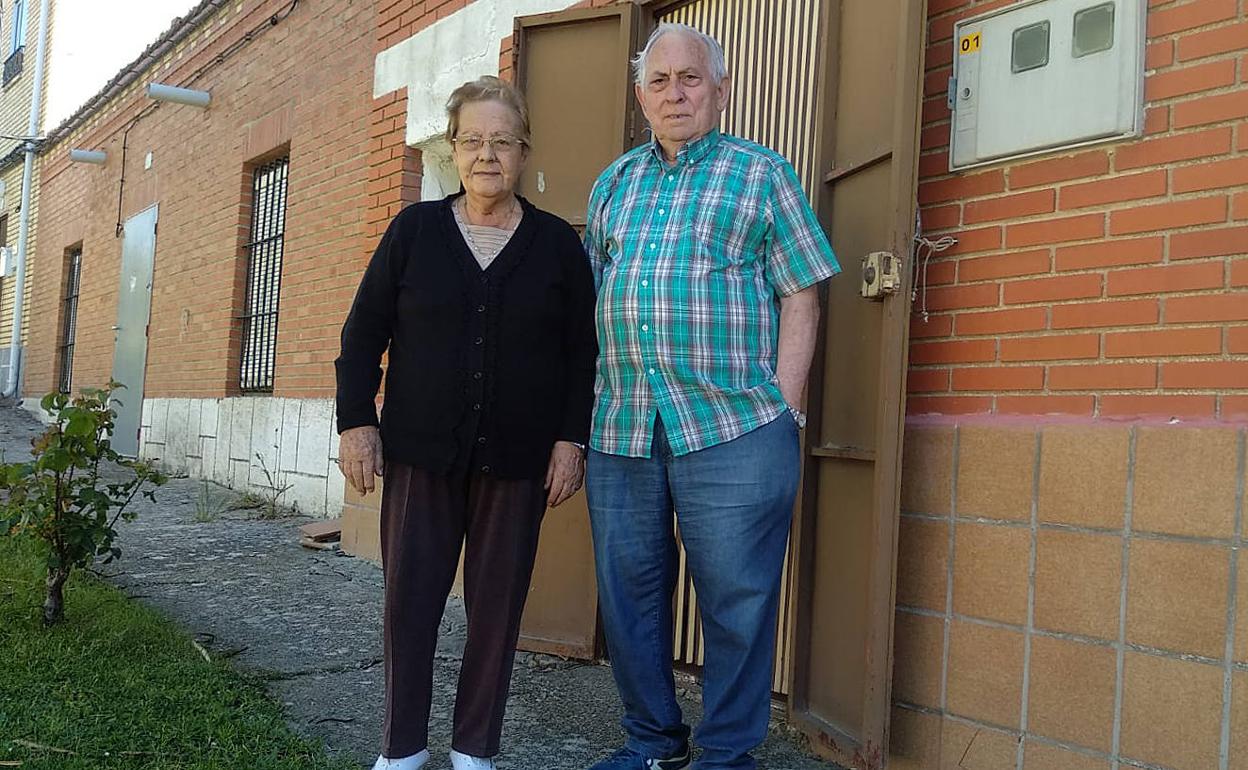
<point x="1043" y="75"/>
<point x="7" y="261"/>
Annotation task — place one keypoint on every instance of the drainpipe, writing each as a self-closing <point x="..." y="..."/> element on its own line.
<point x="36" y="96"/>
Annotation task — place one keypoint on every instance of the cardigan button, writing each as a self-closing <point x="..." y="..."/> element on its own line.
<point x="480" y="308"/>
<point x="485" y="469"/>
<point x="478" y="340"/>
<point x="476" y="375"/>
<point x="476" y="407"/>
<point x="480" y="439"/>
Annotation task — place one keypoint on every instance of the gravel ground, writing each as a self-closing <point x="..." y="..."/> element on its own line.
<point x="309" y="622"/>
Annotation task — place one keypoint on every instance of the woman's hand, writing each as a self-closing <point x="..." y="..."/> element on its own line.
<point x="566" y="472"/>
<point x="359" y="457"/>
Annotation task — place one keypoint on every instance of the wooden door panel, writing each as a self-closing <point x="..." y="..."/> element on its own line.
<point x="854" y="325"/>
<point x="844" y="548"/>
<point x="573" y="68"/>
<point x="847" y="529"/>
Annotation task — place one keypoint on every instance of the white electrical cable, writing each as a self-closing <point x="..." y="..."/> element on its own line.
<point x="920" y="260"/>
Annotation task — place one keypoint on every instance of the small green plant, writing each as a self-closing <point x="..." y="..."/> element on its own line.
<point x="208" y="505"/>
<point x="70" y="495"/>
<point x="270" y="496"/>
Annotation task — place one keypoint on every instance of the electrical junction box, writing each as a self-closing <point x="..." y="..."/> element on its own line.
<point x="881" y="275"/>
<point x="8" y="261"/>
<point x="1045" y="75"/>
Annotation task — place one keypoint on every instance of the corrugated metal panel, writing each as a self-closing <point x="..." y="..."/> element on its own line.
<point x="770" y="46"/>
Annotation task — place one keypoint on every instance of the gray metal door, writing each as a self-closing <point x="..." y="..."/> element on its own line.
<point x="134" y="304"/>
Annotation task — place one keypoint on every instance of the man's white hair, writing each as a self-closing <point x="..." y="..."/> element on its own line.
<point x="714" y="51"/>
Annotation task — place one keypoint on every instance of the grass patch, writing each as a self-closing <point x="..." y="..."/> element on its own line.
<point x="118" y="677"/>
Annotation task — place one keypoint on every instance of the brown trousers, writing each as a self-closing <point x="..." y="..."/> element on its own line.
<point x="425" y="518"/>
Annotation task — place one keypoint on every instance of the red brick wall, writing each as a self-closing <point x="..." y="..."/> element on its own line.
<point x="1109" y="281"/>
<point x="305" y="83"/>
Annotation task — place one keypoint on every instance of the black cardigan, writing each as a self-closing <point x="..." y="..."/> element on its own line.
<point x="488" y="367"/>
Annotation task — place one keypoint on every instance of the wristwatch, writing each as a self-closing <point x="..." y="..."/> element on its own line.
<point x="799" y="416"/>
<point x="578" y="446"/>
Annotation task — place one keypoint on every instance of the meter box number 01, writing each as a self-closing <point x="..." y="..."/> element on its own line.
<point x="1044" y="75"/>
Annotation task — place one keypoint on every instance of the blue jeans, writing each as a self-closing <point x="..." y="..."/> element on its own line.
<point x="733" y="502"/>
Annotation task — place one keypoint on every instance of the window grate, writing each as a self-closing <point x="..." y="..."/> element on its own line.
<point x="69" y="331"/>
<point x="17" y="42"/>
<point x="264" y="276"/>
<point x="13" y="65"/>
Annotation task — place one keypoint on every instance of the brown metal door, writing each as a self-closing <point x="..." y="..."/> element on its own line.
<point x="573" y="69"/>
<point x="846" y="532"/>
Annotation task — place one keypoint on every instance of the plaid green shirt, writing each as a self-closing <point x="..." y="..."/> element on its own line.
<point x="691" y="261"/>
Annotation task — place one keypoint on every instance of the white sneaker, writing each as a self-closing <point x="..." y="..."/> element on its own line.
<point x="465" y="762"/>
<point x="414" y="762"/>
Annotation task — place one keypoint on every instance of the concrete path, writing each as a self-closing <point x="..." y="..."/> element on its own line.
<point x="309" y="622"/>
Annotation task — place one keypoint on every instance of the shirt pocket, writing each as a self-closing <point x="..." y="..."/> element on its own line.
<point x="729" y="235"/>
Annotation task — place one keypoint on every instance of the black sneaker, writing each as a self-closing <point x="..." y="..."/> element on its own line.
<point x="627" y="759"/>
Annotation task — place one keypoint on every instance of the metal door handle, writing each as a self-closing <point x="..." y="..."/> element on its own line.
<point x="116" y="328"/>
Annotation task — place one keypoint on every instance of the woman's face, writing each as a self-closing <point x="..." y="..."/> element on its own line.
<point x="489" y="173"/>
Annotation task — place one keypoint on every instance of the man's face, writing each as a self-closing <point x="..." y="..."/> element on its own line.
<point x="677" y="94"/>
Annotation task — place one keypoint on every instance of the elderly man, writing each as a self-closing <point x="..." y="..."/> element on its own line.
<point x="706" y="255"/>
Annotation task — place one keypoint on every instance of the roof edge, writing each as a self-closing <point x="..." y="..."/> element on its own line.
<point x="180" y="29"/>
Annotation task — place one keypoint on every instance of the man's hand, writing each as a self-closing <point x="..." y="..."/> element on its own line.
<point x="566" y="472"/>
<point x="360" y="458"/>
<point x="792" y="393"/>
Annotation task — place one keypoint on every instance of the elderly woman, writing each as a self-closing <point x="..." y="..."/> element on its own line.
<point x="485" y="304"/>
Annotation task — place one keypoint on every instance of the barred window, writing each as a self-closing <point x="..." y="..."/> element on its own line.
<point x="69" y="330"/>
<point x="264" y="275"/>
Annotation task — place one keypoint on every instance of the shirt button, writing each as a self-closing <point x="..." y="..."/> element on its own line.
<point x="645" y="283"/>
<point x="662" y="212"/>
<point x="645" y="327"/>
<point x="652" y="247"/>
<point x="652" y="370"/>
<point x="670" y="177"/>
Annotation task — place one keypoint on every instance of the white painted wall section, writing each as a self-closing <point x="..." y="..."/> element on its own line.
<point x="232" y="441"/>
<point x="442" y="56"/>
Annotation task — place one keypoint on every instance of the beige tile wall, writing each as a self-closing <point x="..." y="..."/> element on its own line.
<point x="1071" y="596"/>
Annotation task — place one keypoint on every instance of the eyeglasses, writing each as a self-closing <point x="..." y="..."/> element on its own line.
<point x="501" y="145"/>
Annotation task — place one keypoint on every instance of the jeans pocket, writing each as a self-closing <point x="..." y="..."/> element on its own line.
<point x="790" y="418"/>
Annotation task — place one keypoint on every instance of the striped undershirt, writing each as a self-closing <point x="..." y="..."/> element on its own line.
<point x="484" y="242"/>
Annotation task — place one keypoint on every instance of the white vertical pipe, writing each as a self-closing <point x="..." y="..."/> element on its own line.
<point x="19" y="288"/>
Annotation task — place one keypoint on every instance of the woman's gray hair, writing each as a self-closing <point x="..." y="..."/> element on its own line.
<point x="487" y="89"/>
<point x="714" y="51"/>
